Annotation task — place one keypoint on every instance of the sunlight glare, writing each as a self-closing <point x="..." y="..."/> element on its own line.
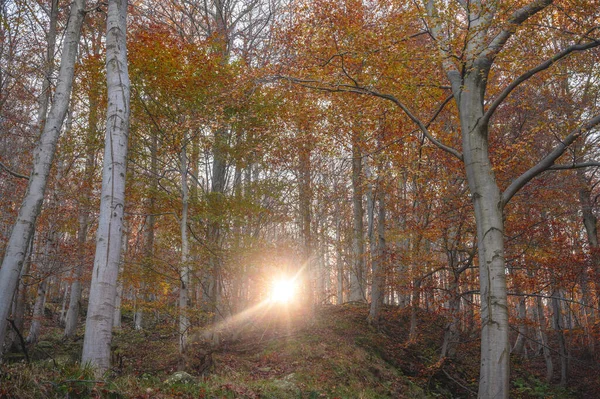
<point x="283" y="291"/>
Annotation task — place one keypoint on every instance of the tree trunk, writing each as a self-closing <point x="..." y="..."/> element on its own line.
<point x="184" y="273"/>
<point x="99" y="321"/>
<point x="378" y="262"/>
<point x="75" y="299"/>
<point x="487" y="201"/>
<point x="24" y="226"/>
<point x="20" y="300"/>
<point x="305" y="199"/>
<point x="558" y="327"/>
<point x="119" y="297"/>
<point x="358" y="247"/>
<point x="414" y="308"/>
<point x="339" y="256"/>
<point x="62" y="318"/>
<point x="541" y="319"/>
<point x="519" y="347"/>
<point x="590" y="222"/>
<point x="38" y="313"/>
<point x="219" y="174"/>
<point x="40" y="300"/>
<point x="451" y="333"/>
<point x="44" y="99"/>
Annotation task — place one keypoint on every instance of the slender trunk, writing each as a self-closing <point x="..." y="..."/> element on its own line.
<point x="519" y="347"/>
<point x="38" y="313"/>
<point x="590" y="222"/>
<point x="558" y="327"/>
<point x="73" y="311"/>
<point x="62" y="318"/>
<point x="44" y="99"/>
<point x="339" y="257"/>
<point x="118" y="299"/>
<point x="75" y="299"/>
<point x="20" y="300"/>
<point x="356" y="273"/>
<point x="184" y="273"/>
<point x="118" y="304"/>
<point x="40" y="300"/>
<point x="541" y="319"/>
<point x="305" y="199"/>
<point x="378" y="263"/>
<point x="138" y="315"/>
<point x="24" y="226"/>
<point x="414" y="308"/>
<point x="99" y="321"/>
<point x="451" y="334"/>
<point x="219" y="173"/>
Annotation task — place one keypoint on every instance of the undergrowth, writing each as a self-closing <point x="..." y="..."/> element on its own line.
<point x="333" y="354"/>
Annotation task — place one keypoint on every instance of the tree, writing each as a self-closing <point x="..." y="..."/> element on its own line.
<point x="44" y="153"/>
<point x="99" y="321"/>
<point x="468" y="38"/>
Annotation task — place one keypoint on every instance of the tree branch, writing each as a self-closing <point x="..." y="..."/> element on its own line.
<point x="590" y="164"/>
<point x="518" y="17"/>
<point x="319" y="85"/>
<point x="14" y="174"/>
<point x="548" y="161"/>
<point x="23" y="345"/>
<point x="541" y="67"/>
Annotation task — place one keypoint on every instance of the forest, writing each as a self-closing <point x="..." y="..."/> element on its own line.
<point x="299" y="198"/>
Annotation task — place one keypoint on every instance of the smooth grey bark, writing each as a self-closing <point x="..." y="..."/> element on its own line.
<point x="305" y="200"/>
<point x="119" y="296"/>
<point x="75" y="298"/>
<point x="557" y="324"/>
<point x="219" y="174"/>
<point x="415" y="304"/>
<point x="487" y="201"/>
<point x="339" y="259"/>
<point x="184" y="272"/>
<point x="62" y="318"/>
<point x="42" y="160"/>
<point x="99" y="321"/>
<point x="44" y="99"/>
<point x="451" y="333"/>
<point x="38" y="313"/>
<point x="339" y="255"/>
<point x="590" y="222"/>
<point x="541" y="319"/>
<point x="20" y="300"/>
<point x="118" y="304"/>
<point x="378" y="250"/>
<point x="519" y="347"/>
<point x="469" y="83"/>
<point x="91" y="138"/>
<point x="356" y="288"/>
<point x="45" y="267"/>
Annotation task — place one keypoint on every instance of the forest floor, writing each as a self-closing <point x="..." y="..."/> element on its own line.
<point x="284" y="354"/>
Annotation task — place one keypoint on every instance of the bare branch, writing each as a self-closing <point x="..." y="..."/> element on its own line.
<point x="319" y="85"/>
<point x="518" y="17"/>
<point x="591" y="164"/>
<point x="541" y="67"/>
<point x="548" y="161"/>
<point x="14" y="174"/>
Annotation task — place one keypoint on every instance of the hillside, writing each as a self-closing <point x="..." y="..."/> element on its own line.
<point x="277" y="354"/>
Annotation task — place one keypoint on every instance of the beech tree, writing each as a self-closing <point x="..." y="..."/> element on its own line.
<point x="24" y="226"/>
<point x="469" y="38"/>
<point x="100" y="314"/>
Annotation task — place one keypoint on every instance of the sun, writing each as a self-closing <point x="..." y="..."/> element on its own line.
<point x="283" y="291"/>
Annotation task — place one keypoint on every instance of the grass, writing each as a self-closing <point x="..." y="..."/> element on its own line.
<point x="334" y="354"/>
